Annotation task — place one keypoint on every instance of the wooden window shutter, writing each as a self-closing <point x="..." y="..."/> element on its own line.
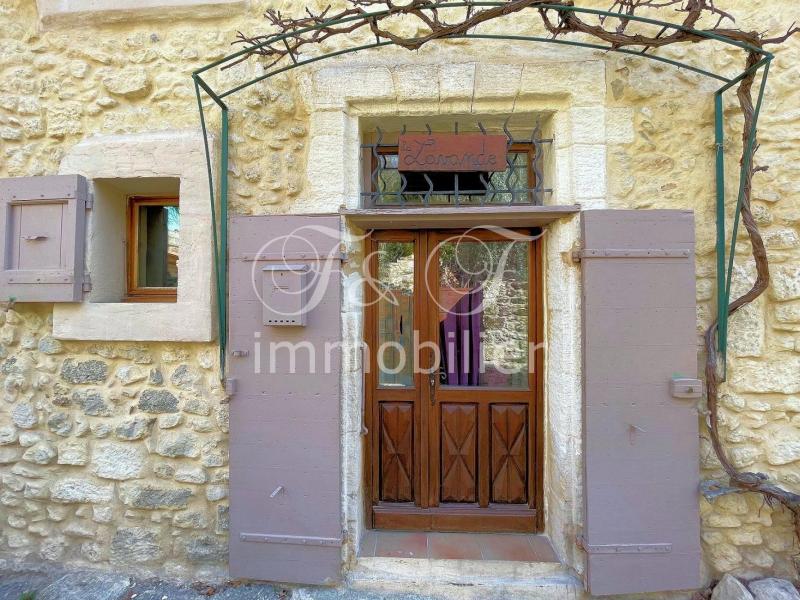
<point x="285" y="474"/>
<point x="42" y="236"/>
<point x="641" y="447"/>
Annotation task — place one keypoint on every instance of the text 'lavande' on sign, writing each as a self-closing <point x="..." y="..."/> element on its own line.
<point x="451" y="152"/>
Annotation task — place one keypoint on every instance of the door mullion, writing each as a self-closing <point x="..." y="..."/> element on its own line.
<point x="433" y="410"/>
<point x="421" y="326"/>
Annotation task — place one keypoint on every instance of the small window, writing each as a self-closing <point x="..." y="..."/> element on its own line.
<point x="153" y="240"/>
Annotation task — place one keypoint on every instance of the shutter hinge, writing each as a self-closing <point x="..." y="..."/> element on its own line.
<point x="230" y="386"/>
<point x="623" y="548"/>
<point x="87" y="282"/>
<point x="89" y="204"/>
<point x="300" y="540"/>
<point x="578" y="255"/>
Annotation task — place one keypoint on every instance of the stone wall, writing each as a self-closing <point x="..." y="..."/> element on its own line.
<point x="115" y="454"/>
<point x="111" y="453"/>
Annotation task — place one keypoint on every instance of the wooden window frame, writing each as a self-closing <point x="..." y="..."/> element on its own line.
<point x="136" y="293"/>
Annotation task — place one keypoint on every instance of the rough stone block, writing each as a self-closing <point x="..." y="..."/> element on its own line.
<point x="773" y="589"/>
<point x="152" y="497"/>
<point x="134" y="545"/>
<point x="24" y="415"/>
<point x="42" y="453"/>
<point x="191" y="475"/>
<point x="128" y="82"/>
<point x="169" y="421"/>
<point x="92" y="402"/>
<point x="136" y="428"/>
<point x="76" y="490"/>
<point x="8" y="435"/>
<point x="178" y="445"/>
<point x="118" y="461"/>
<point x="782" y="450"/>
<point x="190" y="520"/>
<point x="730" y="588"/>
<point x="185" y="377"/>
<point x="50" y="345"/>
<point x="130" y="374"/>
<point x="788" y="312"/>
<point x="785" y="282"/>
<point x="223" y="519"/>
<point x="80" y="529"/>
<point x="619" y="125"/>
<point x="90" y="371"/>
<point x="216" y="492"/>
<point x="205" y="549"/>
<point x="778" y="375"/>
<point x="158" y="401"/>
<point x="748" y="330"/>
<point x="9" y="455"/>
<point x="60" y="423"/>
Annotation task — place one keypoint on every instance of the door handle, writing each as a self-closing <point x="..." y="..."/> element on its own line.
<point x="432" y="387"/>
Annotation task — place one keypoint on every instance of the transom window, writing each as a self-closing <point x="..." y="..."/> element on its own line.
<point x="153" y="239"/>
<point x="521" y="181"/>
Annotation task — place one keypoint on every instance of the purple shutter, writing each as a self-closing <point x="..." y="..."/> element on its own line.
<point x="42" y="234"/>
<point x="284" y="427"/>
<point x="641" y="447"/>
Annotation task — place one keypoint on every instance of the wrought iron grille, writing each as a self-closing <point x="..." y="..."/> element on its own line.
<point x="522" y="182"/>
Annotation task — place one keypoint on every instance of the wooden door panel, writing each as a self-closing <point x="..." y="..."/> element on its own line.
<point x="438" y="449"/>
<point x="459" y="453"/>
<point x="397" y="451"/>
<point x="509" y="450"/>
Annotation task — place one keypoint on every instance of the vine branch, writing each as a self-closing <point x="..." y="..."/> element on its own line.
<point x="375" y="15"/>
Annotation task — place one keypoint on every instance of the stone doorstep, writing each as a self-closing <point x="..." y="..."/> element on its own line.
<point x="449" y="578"/>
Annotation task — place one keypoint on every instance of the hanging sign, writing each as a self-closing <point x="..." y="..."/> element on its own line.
<point x="451" y="152"/>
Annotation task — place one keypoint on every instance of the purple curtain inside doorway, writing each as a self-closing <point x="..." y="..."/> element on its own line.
<point x="460" y="333"/>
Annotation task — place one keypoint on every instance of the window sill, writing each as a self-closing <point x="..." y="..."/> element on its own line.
<point x="134" y="321"/>
<point x="152" y="298"/>
<point x="69" y="12"/>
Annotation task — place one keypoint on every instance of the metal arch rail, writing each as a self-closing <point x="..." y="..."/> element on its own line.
<point x="724" y="272"/>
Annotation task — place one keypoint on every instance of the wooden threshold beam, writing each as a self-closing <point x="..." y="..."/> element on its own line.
<point x="457" y="217"/>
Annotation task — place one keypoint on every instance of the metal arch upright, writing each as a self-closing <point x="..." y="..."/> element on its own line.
<point x="724" y="271"/>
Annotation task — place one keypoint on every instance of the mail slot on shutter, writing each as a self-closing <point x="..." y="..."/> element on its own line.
<point x="283" y="293"/>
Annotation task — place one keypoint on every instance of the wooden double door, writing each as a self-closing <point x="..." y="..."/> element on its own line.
<point x="453" y="330"/>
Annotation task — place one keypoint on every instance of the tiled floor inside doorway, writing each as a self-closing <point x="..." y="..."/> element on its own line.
<point x="465" y="546"/>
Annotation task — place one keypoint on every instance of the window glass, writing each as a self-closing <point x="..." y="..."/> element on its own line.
<point x="483" y="312"/>
<point x="395" y="288"/>
<point x="157" y="240"/>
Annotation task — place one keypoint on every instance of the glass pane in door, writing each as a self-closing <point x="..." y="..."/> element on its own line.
<point x="395" y="331"/>
<point x="483" y="312"/>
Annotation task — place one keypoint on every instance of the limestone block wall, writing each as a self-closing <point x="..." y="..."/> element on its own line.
<point x="114" y="454"/>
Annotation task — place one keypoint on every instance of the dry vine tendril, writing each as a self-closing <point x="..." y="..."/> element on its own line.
<point x="362" y="14"/>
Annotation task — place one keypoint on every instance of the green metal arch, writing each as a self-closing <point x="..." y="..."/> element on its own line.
<point x="724" y="271"/>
